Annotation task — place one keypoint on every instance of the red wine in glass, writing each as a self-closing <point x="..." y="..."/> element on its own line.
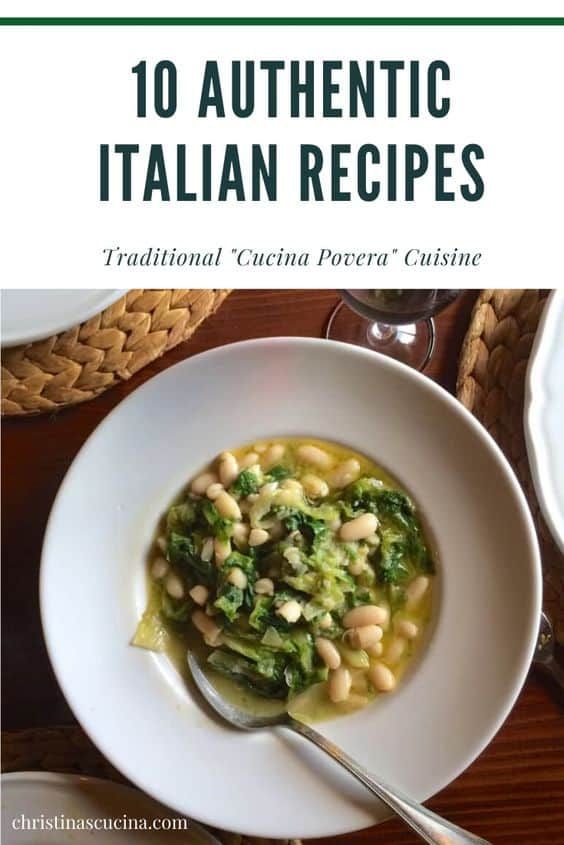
<point x="398" y="323"/>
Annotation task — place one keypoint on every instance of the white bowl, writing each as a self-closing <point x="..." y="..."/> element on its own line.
<point x="544" y="414"/>
<point x="132" y="703"/>
<point x="29" y="315"/>
<point x="91" y="804"/>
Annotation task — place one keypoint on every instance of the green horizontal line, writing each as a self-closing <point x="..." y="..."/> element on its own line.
<point x="311" y="21"/>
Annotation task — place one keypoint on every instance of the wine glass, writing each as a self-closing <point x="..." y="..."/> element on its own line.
<point x="398" y="323"/>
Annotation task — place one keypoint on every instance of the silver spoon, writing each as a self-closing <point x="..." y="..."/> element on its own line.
<point x="430" y="827"/>
<point x="544" y="654"/>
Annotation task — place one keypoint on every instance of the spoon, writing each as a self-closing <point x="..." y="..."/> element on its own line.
<point x="544" y="654"/>
<point x="430" y="827"/>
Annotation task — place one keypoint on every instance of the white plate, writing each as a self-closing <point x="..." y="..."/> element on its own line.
<point x="55" y="800"/>
<point x="29" y="315"/>
<point x="544" y="414"/>
<point x="93" y="586"/>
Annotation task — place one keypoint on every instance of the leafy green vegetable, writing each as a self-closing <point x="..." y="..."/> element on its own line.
<point x="244" y="562"/>
<point x="291" y="660"/>
<point x="279" y="473"/>
<point x="298" y="680"/>
<point x="357" y="658"/>
<point x="181" y="517"/>
<point x="313" y="530"/>
<point x="229" y="600"/>
<point x="276" y="640"/>
<point x="269" y="663"/>
<point x="402" y="551"/>
<point x="184" y="552"/>
<point x="152" y="632"/>
<point x="260" y="617"/>
<point x="393" y="566"/>
<point x="246" y="483"/>
<point x="175" y="610"/>
<point x="242" y="670"/>
<point x="307" y="562"/>
<point x="219" y="526"/>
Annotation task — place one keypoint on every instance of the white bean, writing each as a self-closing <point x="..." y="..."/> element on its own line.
<point x="258" y="536"/>
<point x="264" y="587"/>
<point x="249" y="460"/>
<point x="202" y="482"/>
<point x="373" y="540"/>
<point x="365" y="614"/>
<point x="326" y="621"/>
<point x="315" y="487"/>
<point x="290" y="611"/>
<point x="228" y="468"/>
<point x="159" y="568"/>
<point x="394" y="650"/>
<point x="199" y="594"/>
<point x="222" y="550"/>
<point x="382" y="678"/>
<point x="289" y="498"/>
<point x="406" y="629"/>
<point x="339" y="685"/>
<point x="344" y="473"/>
<point x="241" y="534"/>
<point x="227" y="506"/>
<point x="292" y="555"/>
<point x="416" y="590"/>
<point x="358" y="529"/>
<point x="375" y="650"/>
<point x="237" y="577"/>
<point x="214" y="490"/>
<point x="364" y="637"/>
<point x="315" y="456"/>
<point x="385" y="610"/>
<point x="207" y="627"/>
<point x="174" y="586"/>
<point x="161" y="544"/>
<point x="207" y="549"/>
<point x="273" y="455"/>
<point x="269" y="488"/>
<point x="356" y="567"/>
<point x="291" y="484"/>
<point x="328" y="653"/>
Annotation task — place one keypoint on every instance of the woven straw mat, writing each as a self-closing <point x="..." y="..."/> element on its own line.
<point x="81" y="363"/>
<point x="491" y="384"/>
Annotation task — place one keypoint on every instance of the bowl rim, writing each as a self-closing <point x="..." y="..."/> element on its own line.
<point x="30" y="335"/>
<point x="536" y="398"/>
<point x="458" y="409"/>
<point x="66" y="779"/>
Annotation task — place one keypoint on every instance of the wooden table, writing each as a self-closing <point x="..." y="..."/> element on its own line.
<point x="512" y="795"/>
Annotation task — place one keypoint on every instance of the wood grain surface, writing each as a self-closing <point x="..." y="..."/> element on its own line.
<point x="512" y="795"/>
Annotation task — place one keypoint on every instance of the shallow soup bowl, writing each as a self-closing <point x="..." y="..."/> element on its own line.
<point x="134" y="705"/>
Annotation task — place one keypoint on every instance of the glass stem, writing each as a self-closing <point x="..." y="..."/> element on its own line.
<point x="380" y="333"/>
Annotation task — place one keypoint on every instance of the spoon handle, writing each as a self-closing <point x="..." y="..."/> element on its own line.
<point x="430" y="827"/>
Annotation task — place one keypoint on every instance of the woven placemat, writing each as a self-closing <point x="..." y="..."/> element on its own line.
<point x="81" y="363"/>
<point x="491" y="384"/>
